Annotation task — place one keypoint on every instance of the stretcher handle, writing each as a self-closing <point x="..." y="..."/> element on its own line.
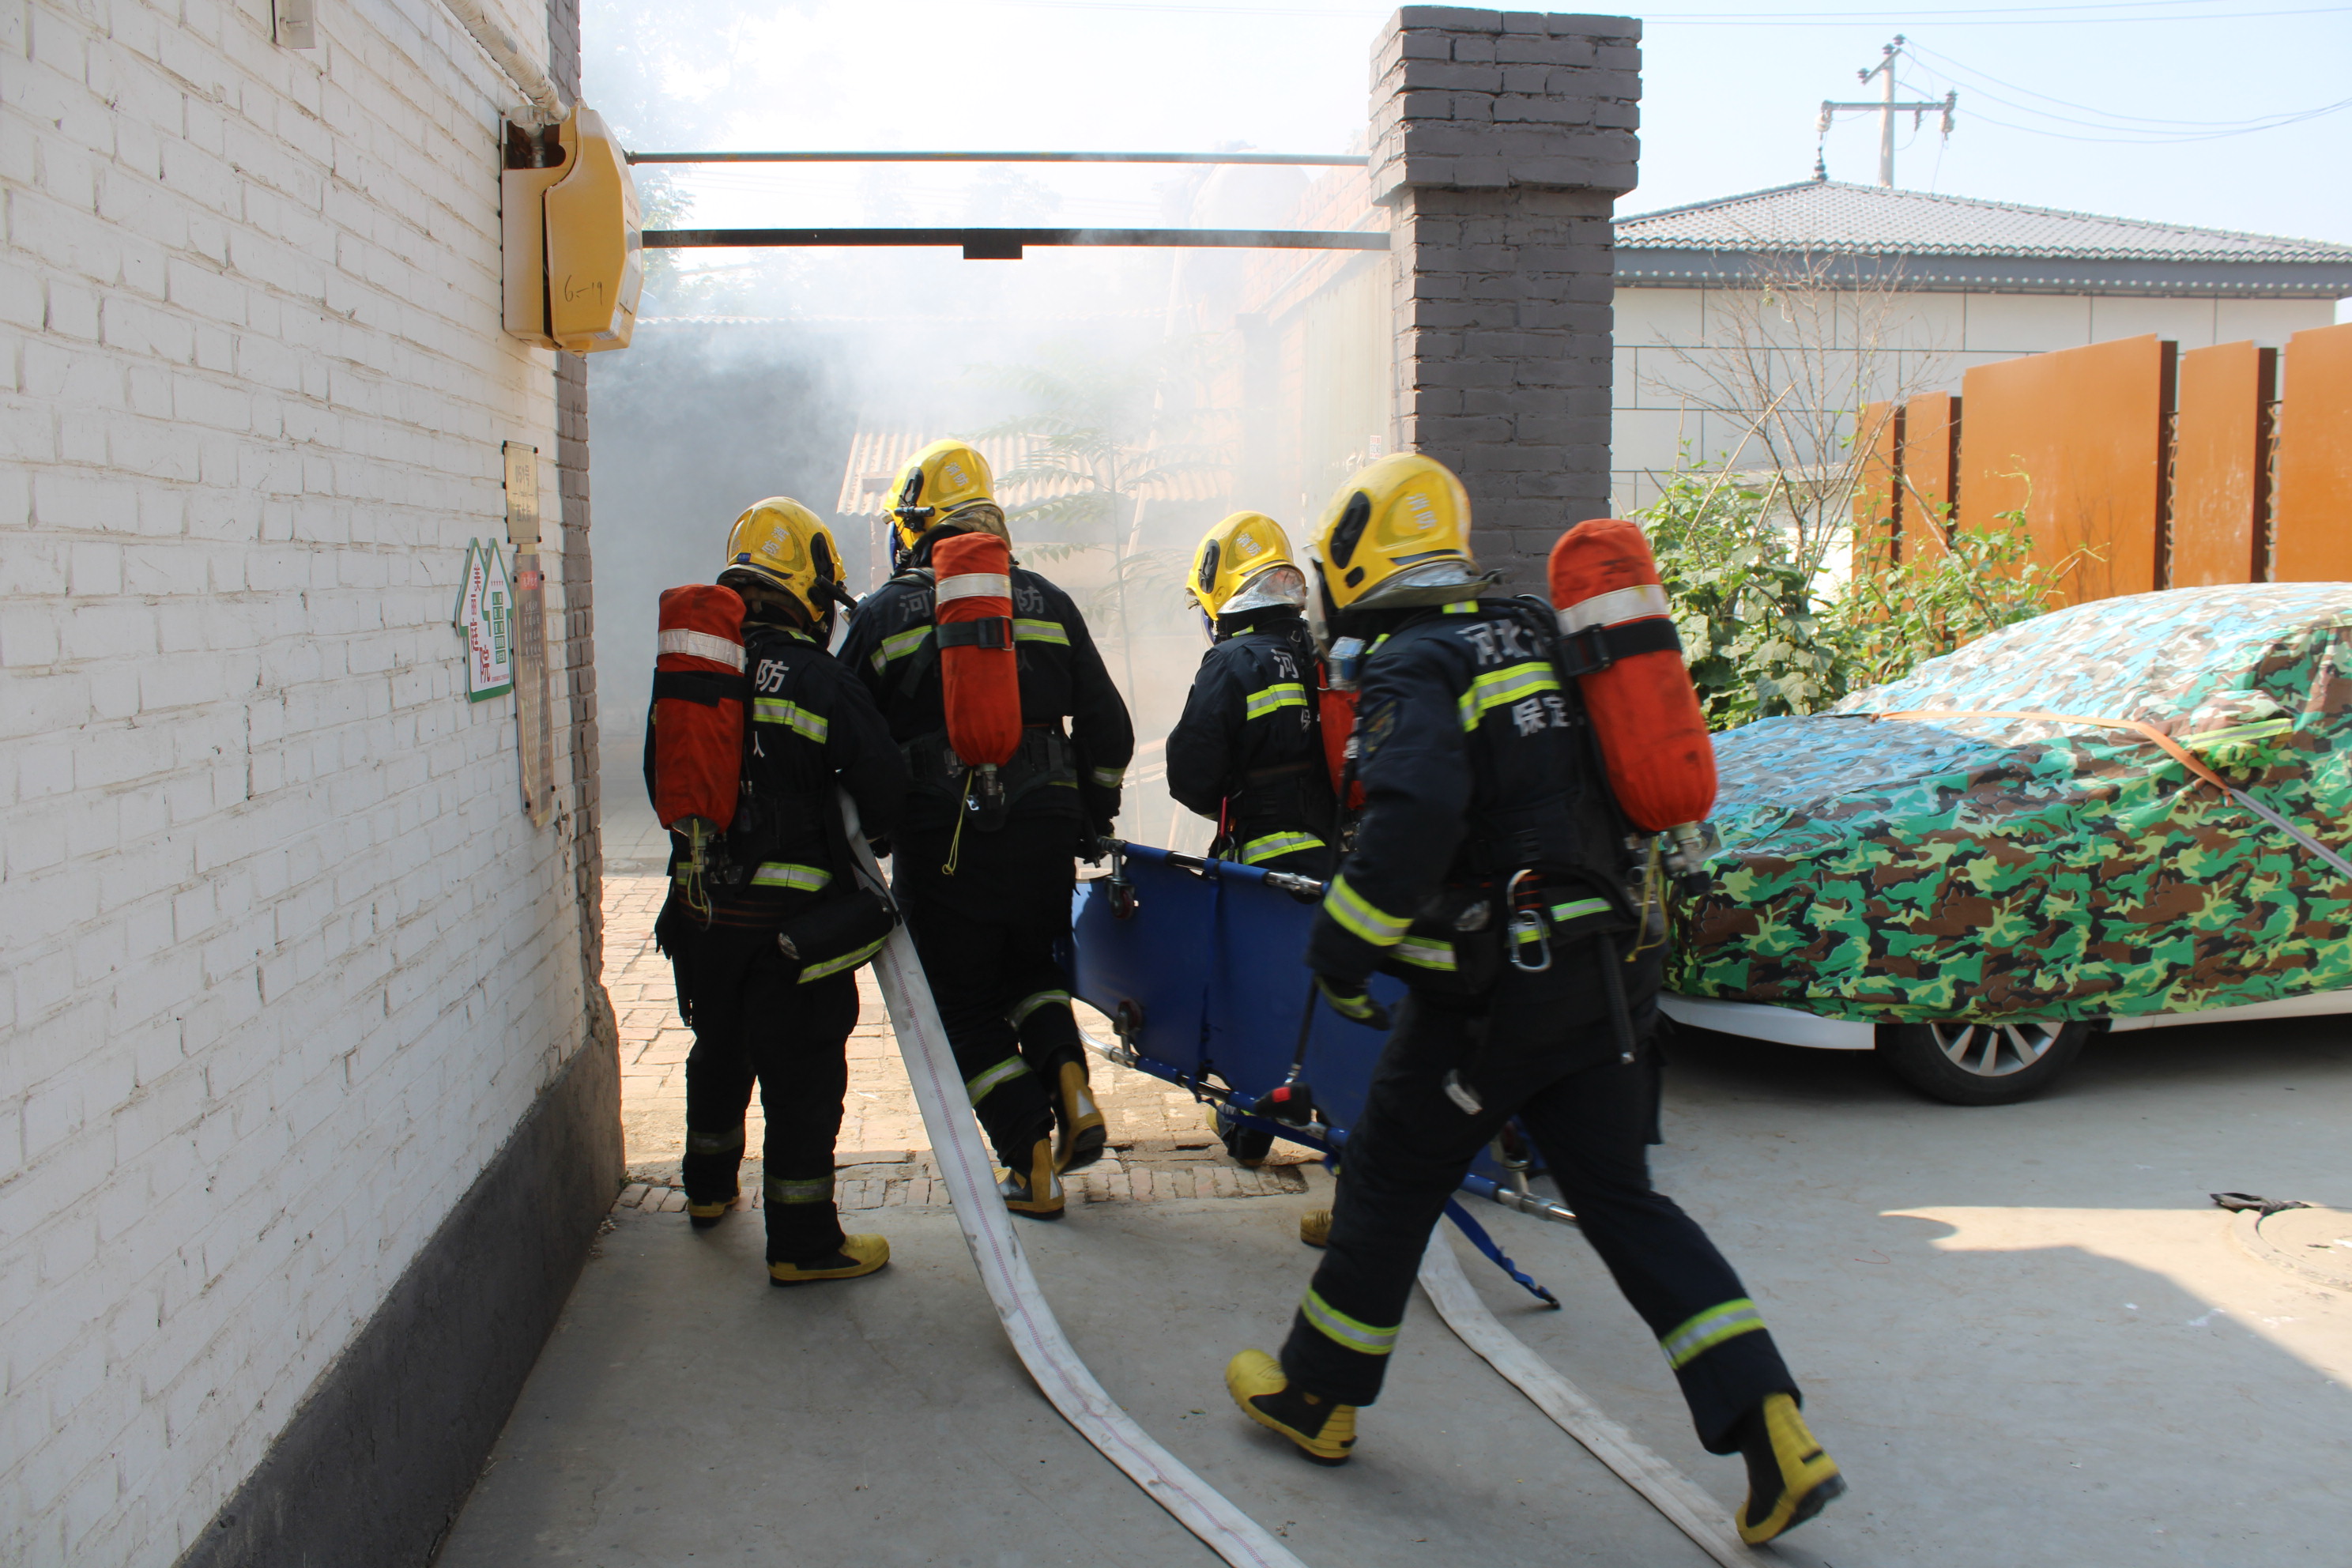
<point x="1209" y="865"/>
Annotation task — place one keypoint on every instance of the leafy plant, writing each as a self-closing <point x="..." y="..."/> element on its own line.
<point x="1766" y="632"/>
<point x="1743" y="598"/>
<point x="1958" y="584"/>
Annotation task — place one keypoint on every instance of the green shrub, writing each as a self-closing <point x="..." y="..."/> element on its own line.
<point x="1767" y="632"/>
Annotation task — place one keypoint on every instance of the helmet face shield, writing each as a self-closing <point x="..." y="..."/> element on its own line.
<point x="1276" y="587"/>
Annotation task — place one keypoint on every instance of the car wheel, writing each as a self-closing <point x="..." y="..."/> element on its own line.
<point x="1980" y="1064"/>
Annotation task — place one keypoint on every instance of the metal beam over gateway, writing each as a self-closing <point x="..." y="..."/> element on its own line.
<point x="1292" y="160"/>
<point x="1007" y="243"/>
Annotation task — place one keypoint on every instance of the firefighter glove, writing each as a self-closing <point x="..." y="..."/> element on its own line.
<point x="1352" y="1001"/>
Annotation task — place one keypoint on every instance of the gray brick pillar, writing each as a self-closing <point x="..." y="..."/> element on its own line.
<point x="1502" y="139"/>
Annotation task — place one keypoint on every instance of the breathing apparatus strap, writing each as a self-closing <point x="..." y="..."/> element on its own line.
<point x="705" y="687"/>
<point x="1595" y="649"/>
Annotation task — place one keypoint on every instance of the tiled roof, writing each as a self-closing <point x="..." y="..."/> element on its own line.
<point x="1829" y="217"/>
<point x="876" y="455"/>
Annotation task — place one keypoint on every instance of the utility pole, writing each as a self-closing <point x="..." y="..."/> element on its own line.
<point x="1886" y="109"/>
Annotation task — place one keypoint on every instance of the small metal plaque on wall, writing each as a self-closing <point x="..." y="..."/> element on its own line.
<point x="535" y="737"/>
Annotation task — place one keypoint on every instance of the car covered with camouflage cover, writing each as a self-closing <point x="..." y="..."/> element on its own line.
<point x="1925" y="859"/>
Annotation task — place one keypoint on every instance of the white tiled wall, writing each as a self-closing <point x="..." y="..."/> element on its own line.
<point x="1928" y="344"/>
<point x="284" y="962"/>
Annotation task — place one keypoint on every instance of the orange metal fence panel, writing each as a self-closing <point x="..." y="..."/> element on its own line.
<point x="2219" y="465"/>
<point x="2081" y="433"/>
<point x="1931" y="450"/>
<point x="1877" y="495"/>
<point x="2314" y="542"/>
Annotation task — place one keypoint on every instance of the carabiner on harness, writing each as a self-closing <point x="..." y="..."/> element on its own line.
<point x="1526" y="940"/>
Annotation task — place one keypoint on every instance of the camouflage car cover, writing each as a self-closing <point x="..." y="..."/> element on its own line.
<point x="1909" y="871"/>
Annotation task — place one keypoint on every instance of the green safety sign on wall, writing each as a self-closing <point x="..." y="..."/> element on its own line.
<point x="486" y="618"/>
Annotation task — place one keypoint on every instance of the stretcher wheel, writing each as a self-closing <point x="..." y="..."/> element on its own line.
<point x="1247" y="1145"/>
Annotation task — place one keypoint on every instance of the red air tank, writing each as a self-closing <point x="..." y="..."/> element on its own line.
<point x="979" y="673"/>
<point x="1336" y="710"/>
<point x="1652" y="734"/>
<point x="698" y="693"/>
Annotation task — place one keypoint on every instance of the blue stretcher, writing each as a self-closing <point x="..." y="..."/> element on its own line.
<point x="1199" y="965"/>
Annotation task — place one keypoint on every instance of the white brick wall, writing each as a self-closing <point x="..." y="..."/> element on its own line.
<point x="284" y="961"/>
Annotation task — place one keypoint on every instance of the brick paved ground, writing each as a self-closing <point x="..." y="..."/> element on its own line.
<point x="1160" y="1147"/>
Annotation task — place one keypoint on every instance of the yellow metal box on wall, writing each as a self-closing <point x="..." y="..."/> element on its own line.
<point x="574" y="266"/>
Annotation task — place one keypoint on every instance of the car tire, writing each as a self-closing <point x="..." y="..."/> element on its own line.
<point x="1980" y="1064"/>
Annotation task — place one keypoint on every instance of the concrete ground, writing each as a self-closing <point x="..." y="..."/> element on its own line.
<point x="2025" y="1332"/>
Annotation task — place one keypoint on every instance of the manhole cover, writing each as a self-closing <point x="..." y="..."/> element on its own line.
<point x="2315" y="1242"/>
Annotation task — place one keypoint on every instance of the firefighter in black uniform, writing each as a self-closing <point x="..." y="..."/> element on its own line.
<point x="757" y="1014"/>
<point x="1490" y="870"/>
<point x="986" y="882"/>
<point x="1248" y="751"/>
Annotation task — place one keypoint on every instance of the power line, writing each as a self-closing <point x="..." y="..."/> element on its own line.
<point x="2143" y="132"/>
<point x="2255" y="122"/>
<point x="2121" y="141"/>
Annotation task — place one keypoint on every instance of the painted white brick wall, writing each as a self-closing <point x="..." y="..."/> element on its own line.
<point x="281" y="962"/>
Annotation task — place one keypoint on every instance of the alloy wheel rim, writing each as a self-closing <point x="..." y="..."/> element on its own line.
<point x="1994" y="1050"/>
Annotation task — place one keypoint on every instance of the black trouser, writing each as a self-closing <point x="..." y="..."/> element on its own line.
<point x="1591" y="1122"/>
<point x="987" y="936"/>
<point x="753" y="1022"/>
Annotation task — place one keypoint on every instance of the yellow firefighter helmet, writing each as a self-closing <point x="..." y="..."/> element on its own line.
<point x="1236" y="555"/>
<point x="1397" y="534"/>
<point x="782" y="543"/>
<point x="947" y="484"/>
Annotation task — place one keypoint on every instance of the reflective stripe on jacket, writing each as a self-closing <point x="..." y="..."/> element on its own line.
<point x="1250" y="747"/>
<point x="1475" y="764"/>
<point x="890" y="649"/>
<point x="809" y="728"/>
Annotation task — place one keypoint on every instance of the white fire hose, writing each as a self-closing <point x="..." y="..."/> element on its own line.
<point x="1029" y="1321"/>
<point x="1687" y="1504"/>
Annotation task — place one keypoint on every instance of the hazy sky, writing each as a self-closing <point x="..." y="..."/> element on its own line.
<point x="1727" y="108"/>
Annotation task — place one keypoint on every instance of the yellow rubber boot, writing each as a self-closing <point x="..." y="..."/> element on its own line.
<point x="1315" y="1227"/>
<point x="1324" y="1432"/>
<point x="1080" y="1134"/>
<point x="1036" y="1192"/>
<point x="858" y="1254"/>
<point x="1789" y="1476"/>
<point x="705" y="1215"/>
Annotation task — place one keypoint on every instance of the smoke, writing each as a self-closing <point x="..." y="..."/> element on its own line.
<point x="1129" y="398"/>
<point x="688" y="426"/>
